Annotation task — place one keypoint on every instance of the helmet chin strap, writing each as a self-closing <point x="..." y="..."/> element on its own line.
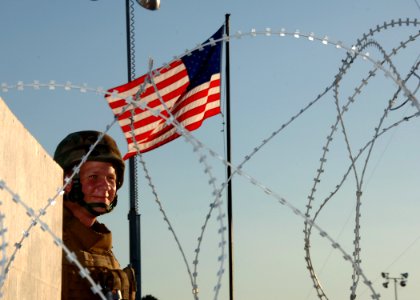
<point x="90" y="207"/>
<point x="76" y="195"/>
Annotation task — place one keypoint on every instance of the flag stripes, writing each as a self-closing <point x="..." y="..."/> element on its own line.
<point x="185" y="92"/>
<point x="189" y="114"/>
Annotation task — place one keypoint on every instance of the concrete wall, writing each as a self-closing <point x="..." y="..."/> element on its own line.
<point x="30" y="172"/>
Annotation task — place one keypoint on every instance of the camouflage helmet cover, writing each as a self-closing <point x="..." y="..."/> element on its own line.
<point x="73" y="147"/>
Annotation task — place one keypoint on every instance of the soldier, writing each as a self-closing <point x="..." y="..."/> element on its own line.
<point x="91" y="193"/>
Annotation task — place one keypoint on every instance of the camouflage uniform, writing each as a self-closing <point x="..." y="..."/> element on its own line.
<point x="92" y="247"/>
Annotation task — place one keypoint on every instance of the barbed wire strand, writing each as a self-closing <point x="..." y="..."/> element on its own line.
<point x="320" y="170"/>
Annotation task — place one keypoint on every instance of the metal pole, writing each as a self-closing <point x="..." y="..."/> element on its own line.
<point x="133" y="215"/>
<point x="229" y="159"/>
<point x="395" y="288"/>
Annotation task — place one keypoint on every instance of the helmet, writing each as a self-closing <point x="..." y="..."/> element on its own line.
<point x="73" y="147"/>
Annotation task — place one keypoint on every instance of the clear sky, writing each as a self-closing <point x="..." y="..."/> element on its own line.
<point x="272" y="79"/>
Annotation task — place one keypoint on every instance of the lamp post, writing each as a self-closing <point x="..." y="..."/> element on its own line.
<point x="402" y="280"/>
<point x="134" y="214"/>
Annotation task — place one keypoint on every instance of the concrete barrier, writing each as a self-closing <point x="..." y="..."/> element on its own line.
<point x="30" y="172"/>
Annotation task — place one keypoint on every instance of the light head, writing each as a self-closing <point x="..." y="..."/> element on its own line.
<point x="150" y="4"/>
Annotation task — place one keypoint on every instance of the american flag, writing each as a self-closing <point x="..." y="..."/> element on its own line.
<point x="189" y="88"/>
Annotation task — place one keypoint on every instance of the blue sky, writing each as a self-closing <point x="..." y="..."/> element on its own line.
<point x="272" y="79"/>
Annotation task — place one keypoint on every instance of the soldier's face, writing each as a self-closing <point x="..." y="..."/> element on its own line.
<point x="98" y="181"/>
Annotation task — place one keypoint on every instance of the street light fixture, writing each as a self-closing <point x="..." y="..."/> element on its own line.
<point x="150" y="4"/>
<point x="402" y="280"/>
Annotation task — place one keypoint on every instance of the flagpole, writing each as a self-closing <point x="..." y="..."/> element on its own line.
<point x="133" y="214"/>
<point x="229" y="159"/>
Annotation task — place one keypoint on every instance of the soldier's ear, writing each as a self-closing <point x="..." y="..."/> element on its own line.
<point x="68" y="187"/>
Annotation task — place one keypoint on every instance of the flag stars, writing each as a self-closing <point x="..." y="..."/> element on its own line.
<point x="204" y="62"/>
